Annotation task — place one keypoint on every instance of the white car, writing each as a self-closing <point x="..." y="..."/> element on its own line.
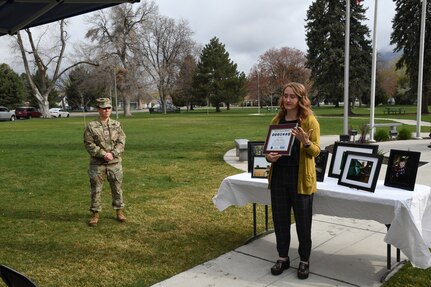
<point x="6" y="114"/>
<point x="58" y="113"/>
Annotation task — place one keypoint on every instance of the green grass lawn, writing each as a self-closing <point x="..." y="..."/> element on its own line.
<point x="173" y="166"/>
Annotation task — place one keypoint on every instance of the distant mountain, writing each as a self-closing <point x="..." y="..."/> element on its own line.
<point x="388" y="55"/>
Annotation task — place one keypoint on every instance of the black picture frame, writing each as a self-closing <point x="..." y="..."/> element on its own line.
<point x="253" y="148"/>
<point x="402" y="169"/>
<point x="338" y="151"/>
<point x="279" y="139"/>
<point x="260" y="167"/>
<point x="361" y="170"/>
<point x="321" y="162"/>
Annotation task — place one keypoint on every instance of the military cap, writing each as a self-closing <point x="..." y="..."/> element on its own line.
<point x="103" y="103"/>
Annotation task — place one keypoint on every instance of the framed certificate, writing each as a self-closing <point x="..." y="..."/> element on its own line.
<point x="279" y="139"/>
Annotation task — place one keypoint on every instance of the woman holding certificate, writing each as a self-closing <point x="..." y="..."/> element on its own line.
<point x="292" y="177"/>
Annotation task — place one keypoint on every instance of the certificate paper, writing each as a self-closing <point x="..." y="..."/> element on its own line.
<point x="279" y="139"/>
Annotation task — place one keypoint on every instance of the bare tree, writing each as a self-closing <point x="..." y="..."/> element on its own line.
<point x="116" y="35"/>
<point x="277" y="67"/>
<point x="284" y="65"/>
<point x="42" y="59"/>
<point x="163" y="45"/>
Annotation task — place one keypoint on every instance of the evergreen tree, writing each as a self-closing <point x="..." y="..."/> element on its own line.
<point x="325" y="38"/>
<point x="183" y="92"/>
<point x="216" y="78"/>
<point x="75" y="97"/>
<point x="12" y="88"/>
<point x="83" y="86"/>
<point x="406" y="36"/>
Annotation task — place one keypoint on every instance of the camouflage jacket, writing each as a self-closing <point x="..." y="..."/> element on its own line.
<point x="99" y="140"/>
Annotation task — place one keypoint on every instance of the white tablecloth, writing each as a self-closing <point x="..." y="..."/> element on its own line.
<point x="408" y="212"/>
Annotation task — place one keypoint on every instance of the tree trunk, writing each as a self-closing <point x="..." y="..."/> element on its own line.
<point x="162" y="98"/>
<point x="42" y="100"/>
<point x="140" y="103"/>
<point x="126" y="102"/>
<point x="218" y="108"/>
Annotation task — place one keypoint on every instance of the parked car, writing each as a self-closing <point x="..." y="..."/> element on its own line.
<point x="6" y="114"/>
<point x="170" y="108"/>
<point x="58" y="113"/>
<point x="27" y="112"/>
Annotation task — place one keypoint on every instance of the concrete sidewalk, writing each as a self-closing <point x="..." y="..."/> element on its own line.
<point x="346" y="252"/>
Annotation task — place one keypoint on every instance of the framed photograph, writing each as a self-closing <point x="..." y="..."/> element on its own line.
<point x="361" y="170"/>
<point x="253" y="148"/>
<point x="279" y="139"/>
<point x="338" y="151"/>
<point x="321" y="161"/>
<point x="402" y="169"/>
<point x="260" y="167"/>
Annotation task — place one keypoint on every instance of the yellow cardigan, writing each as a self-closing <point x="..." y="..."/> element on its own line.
<point x="307" y="170"/>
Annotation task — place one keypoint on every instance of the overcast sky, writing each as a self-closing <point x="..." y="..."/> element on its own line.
<point x="247" y="28"/>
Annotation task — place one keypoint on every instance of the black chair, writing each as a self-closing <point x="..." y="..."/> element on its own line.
<point x="13" y="278"/>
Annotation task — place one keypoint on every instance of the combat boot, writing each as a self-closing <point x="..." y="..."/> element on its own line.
<point x="120" y="215"/>
<point x="94" y="219"/>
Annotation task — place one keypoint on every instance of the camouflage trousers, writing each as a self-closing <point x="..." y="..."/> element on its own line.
<point x="97" y="175"/>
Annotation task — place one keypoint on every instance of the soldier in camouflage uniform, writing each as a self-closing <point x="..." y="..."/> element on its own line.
<point x="104" y="140"/>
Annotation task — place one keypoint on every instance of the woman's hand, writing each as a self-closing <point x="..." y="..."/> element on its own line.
<point x="272" y="157"/>
<point x="302" y="136"/>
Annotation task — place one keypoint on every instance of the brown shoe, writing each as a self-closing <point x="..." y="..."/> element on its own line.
<point x="120" y="216"/>
<point x="303" y="270"/>
<point x="280" y="266"/>
<point x="94" y="219"/>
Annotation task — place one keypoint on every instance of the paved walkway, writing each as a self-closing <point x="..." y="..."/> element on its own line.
<point x="346" y="252"/>
<point x="408" y="122"/>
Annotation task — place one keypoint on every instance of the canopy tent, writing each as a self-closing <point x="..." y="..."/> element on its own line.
<point x="19" y="14"/>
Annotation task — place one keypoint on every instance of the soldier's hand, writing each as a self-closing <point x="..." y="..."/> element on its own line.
<point x="108" y="156"/>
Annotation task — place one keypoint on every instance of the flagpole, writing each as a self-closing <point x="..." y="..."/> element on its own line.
<point x="373" y="74"/>
<point x="421" y="70"/>
<point x="346" y="69"/>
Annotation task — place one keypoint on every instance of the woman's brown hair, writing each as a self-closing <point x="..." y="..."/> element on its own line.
<point x="304" y="103"/>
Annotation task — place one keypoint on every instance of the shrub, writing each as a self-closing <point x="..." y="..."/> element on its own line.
<point x="364" y="129"/>
<point x="404" y="134"/>
<point x="381" y="135"/>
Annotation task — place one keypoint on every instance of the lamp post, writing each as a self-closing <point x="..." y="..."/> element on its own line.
<point x="211" y="81"/>
<point x="258" y="90"/>
<point x="115" y="92"/>
<point x="271" y="95"/>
